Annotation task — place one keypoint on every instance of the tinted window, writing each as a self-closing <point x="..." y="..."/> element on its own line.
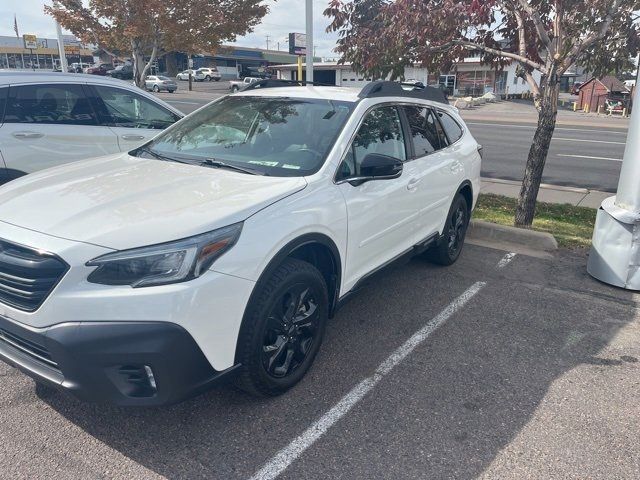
<point x="451" y="127"/>
<point x="425" y="130"/>
<point x="3" y="101"/>
<point x="50" y="104"/>
<point x="122" y="108"/>
<point x="381" y="133"/>
<point x="277" y="136"/>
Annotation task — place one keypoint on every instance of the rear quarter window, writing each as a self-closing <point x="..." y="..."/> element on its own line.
<point x="451" y="127"/>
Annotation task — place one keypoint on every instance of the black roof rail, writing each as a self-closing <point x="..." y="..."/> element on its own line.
<point x="276" y="82"/>
<point x="384" y="88"/>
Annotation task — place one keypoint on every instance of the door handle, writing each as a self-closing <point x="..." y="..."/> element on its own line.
<point x="28" y="135"/>
<point x="413" y="184"/>
<point x="133" y="137"/>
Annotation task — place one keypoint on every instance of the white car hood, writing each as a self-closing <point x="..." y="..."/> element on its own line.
<point x="122" y="202"/>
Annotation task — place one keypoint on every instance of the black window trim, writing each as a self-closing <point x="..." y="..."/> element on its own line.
<point x="11" y="88"/>
<point x="355" y="132"/>
<point x="4" y="99"/>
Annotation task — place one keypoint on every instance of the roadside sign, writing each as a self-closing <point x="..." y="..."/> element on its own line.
<point x="297" y="44"/>
<point x="72" y="49"/>
<point x="191" y="63"/>
<point x="30" y="42"/>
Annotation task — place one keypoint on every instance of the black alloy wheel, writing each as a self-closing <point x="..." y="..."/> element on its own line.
<point x="457" y="229"/>
<point x="282" y="329"/>
<point x="290" y="332"/>
<point x="448" y="248"/>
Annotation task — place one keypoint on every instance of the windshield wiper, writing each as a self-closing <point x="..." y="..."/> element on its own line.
<point x="210" y="162"/>
<point x="160" y="156"/>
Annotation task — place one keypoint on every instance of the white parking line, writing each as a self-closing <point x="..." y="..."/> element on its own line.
<point x="532" y="127"/>
<point x="506" y="260"/>
<point x="587" y="141"/>
<point x="291" y="452"/>
<point x="588" y="157"/>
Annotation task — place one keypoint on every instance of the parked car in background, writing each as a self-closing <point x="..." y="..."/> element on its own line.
<point x="50" y="119"/>
<point x="237" y="85"/>
<point x="575" y="90"/>
<point x="221" y="248"/>
<point x="158" y="83"/>
<point x="210" y="73"/>
<point x="122" y="72"/>
<point x="77" y="67"/>
<point x="195" y="75"/>
<point x="101" y="69"/>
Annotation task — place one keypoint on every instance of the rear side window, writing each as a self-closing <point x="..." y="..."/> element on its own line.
<point x="451" y="127"/>
<point x="4" y="92"/>
<point x="122" y="108"/>
<point x="56" y="104"/>
<point x="426" y="133"/>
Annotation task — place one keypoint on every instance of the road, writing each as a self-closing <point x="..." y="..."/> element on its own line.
<point x="579" y="157"/>
<point x="487" y="369"/>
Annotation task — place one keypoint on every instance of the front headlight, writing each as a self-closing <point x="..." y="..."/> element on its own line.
<point x="164" y="263"/>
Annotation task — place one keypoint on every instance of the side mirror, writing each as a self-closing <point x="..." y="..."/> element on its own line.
<point x="379" y="167"/>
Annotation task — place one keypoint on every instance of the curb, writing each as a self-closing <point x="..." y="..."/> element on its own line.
<point x="543" y="186"/>
<point x="492" y="232"/>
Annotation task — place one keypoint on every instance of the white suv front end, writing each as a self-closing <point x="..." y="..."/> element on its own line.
<point x="222" y="246"/>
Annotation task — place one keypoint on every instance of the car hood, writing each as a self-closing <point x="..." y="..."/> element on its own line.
<point x="122" y="202"/>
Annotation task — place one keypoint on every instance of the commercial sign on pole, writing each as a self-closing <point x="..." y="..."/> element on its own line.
<point x="30" y="42"/>
<point x="297" y="44"/>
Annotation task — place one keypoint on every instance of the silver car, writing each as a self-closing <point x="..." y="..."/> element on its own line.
<point x="157" y="83"/>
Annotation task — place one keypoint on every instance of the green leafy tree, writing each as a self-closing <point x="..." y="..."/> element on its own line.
<point x="382" y="37"/>
<point x="148" y="29"/>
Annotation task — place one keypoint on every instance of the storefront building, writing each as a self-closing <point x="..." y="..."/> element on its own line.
<point x="13" y="55"/>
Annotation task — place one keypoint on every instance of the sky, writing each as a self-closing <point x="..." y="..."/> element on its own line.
<point x="285" y="16"/>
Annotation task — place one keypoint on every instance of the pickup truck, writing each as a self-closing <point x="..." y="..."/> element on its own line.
<point x="237" y="85"/>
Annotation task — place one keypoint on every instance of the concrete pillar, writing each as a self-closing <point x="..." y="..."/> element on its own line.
<point x="615" y="250"/>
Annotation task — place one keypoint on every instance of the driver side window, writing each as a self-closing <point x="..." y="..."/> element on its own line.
<point x="122" y="108"/>
<point x="380" y="133"/>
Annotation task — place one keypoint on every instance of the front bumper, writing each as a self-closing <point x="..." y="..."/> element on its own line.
<point x="122" y="363"/>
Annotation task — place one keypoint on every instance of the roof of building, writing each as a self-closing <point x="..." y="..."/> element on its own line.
<point x="611" y="83"/>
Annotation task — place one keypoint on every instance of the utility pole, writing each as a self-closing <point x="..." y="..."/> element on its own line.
<point x="309" y="15"/>
<point x="615" y="248"/>
<point x="268" y="36"/>
<point x="63" y="58"/>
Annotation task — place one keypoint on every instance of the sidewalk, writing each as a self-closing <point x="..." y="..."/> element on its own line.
<point x="581" y="197"/>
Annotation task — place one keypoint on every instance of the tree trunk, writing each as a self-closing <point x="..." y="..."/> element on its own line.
<point x="138" y="63"/>
<point x="547" y="113"/>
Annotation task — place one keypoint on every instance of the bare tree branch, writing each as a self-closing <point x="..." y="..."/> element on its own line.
<point x="537" y="22"/>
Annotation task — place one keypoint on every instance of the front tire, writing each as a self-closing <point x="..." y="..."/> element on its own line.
<point x="156" y="88"/>
<point x="449" y="247"/>
<point x="207" y="78"/>
<point x="282" y="329"/>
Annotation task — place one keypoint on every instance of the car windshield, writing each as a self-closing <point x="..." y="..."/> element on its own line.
<point x="277" y="136"/>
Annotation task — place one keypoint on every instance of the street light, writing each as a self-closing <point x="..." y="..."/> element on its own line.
<point x="615" y="250"/>
<point x="310" y="40"/>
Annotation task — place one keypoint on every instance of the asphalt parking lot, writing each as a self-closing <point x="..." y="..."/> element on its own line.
<point x="498" y="367"/>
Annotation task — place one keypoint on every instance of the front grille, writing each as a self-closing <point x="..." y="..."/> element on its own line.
<point x="34" y="350"/>
<point x="27" y="276"/>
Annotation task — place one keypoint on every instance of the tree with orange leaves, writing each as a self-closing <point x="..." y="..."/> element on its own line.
<point x="150" y="28"/>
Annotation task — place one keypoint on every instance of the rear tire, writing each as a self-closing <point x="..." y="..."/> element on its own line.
<point x="234" y="89"/>
<point x="449" y="246"/>
<point x="282" y="329"/>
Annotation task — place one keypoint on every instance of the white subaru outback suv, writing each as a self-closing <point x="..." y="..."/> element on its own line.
<point x="222" y="246"/>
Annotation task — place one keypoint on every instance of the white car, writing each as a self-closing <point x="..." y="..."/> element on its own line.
<point x="209" y="73"/>
<point x="196" y="75"/>
<point x="222" y="246"/>
<point x="48" y="119"/>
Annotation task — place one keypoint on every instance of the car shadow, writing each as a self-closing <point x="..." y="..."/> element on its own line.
<point x="474" y="389"/>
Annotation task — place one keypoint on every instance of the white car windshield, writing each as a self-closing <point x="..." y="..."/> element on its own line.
<point x="268" y="135"/>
